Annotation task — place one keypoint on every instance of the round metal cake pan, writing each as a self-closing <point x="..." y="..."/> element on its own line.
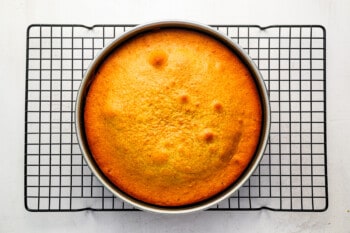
<point x="88" y="78"/>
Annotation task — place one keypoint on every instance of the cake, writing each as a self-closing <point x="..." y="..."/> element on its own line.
<point x="172" y="117"/>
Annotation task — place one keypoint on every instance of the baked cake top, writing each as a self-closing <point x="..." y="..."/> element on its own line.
<point x="172" y="117"/>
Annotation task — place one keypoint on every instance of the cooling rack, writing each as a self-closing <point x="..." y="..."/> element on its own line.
<point x="292" y="175"/>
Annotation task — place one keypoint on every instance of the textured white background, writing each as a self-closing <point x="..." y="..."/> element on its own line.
<point x="16" y="15"/>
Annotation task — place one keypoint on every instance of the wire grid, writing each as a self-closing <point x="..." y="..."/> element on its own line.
<point x="292" y="175"/>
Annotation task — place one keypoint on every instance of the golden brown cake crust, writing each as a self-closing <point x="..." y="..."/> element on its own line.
<point x="172" y="117"/>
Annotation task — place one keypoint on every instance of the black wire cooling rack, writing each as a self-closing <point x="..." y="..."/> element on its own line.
<point x="292" y="175"/>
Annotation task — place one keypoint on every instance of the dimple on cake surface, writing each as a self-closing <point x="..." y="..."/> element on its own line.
<point x="172" y="117"/>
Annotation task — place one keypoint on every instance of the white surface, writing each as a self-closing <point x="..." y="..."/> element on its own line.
<point x="16" y="15"/>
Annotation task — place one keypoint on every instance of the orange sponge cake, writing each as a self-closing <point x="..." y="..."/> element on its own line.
<point x="172" y="117"/>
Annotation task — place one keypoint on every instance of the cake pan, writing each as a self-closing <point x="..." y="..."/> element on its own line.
<point x="88" y="78"/>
